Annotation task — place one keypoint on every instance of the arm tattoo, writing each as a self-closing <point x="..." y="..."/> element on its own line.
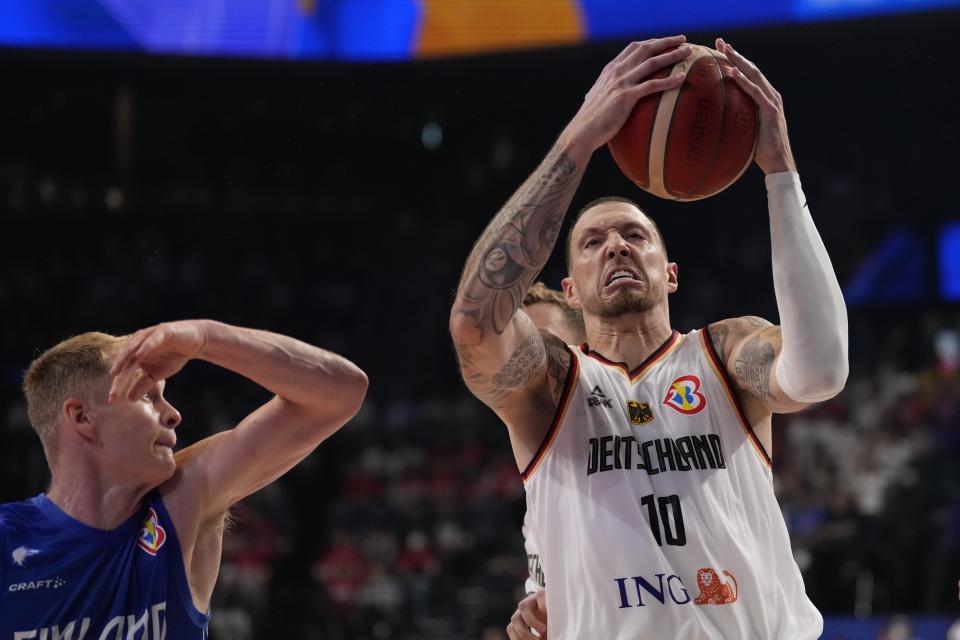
<point x="523" y="364"/>
<point x="515" y="246"/>
<point x="536" y="351"/>
<point x="558" y="366"/>
<point x="755" y="363"/>
<point x="718" y="336"/>
<point x="757" y="321"/>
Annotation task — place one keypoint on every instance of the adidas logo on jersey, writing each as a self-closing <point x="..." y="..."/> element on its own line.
<point x="599" y="399"/>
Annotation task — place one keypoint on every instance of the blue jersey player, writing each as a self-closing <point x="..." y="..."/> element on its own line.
<point x="126" y="543"/>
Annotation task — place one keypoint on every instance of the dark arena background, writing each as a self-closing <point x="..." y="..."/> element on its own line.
<point x="332" y="191"/>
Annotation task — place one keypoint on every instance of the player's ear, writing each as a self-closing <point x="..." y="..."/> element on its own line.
<point x="76" y="413"/>
<point x="570" y="293"/>
<point x="672" y="272"/>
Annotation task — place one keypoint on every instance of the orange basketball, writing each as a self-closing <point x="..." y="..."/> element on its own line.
<point x="693" y="141"/>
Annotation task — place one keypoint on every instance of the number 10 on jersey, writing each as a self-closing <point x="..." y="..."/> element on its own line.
<point x="662" y="525"/>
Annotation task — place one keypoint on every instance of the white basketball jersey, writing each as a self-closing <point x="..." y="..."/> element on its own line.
<point x="651" y="501"/>
<point x="534" y="581"/>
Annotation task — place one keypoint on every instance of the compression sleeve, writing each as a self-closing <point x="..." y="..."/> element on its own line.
<point x="813" y="317"/>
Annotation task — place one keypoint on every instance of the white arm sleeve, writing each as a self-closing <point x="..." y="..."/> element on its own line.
<point x="813" y="317"/>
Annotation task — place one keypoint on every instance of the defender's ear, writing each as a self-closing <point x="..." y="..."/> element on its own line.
<point x="78" y="417"/>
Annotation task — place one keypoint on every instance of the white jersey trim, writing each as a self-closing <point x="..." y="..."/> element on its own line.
<point x="719" y="370"/>
<point x="641" y="371"/>
<point x="573" y="375"/>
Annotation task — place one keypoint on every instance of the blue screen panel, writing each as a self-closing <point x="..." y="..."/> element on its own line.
<point x="897" y="272"/>
<point x="383" y="29"/>
<point x="324" y="30"/>
<point x="918" y="627"/>
<point x="648" y="18"/>
<point x="354" y="29"/>
<point x="76" y="24"/>
<point x="949" y="259"/>
<point x="807" y="10"/>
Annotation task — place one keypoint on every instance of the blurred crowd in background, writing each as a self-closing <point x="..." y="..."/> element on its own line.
<point x="406" y="524"/>
<point x="318" y="201"/>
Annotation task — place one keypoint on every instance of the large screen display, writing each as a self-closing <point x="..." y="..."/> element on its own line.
<point x="392" y="29"/>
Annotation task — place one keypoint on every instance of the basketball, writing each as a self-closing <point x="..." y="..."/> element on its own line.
<point x="693" y="141"/>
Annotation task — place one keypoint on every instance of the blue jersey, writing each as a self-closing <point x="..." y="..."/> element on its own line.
<point x="63" y="580"/>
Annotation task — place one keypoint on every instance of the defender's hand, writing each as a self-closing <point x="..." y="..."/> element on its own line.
<point x="153" y="354"/>
<point x="531" y="613"/>
<point x="773" y="154"/>
<point x="623" y="82"/>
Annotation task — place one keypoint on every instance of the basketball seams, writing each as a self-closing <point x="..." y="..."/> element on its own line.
<point x="668" y="124"/>
<point x="720" y="139"/>
<point x="653" y="125"/>
<point x="660" y="130"/>
<point x="724" y="130"/>
<point x="753" y="150"/>
<point x="645" y="151"/>
<point x="660" y="138"/>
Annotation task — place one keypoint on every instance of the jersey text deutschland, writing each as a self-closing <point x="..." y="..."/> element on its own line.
<point x="627" y="453"/>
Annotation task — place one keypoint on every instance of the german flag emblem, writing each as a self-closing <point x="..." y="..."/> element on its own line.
<point x="640" y="413"/>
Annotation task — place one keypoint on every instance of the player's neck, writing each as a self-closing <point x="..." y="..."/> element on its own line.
<point x="629" y="338"/>
<point x="91" y="499"/>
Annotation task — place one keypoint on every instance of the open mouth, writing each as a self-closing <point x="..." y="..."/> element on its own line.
<point x="621" y="276"/>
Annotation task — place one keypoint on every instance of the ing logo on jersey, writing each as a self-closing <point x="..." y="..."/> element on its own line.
<point x="713" y="590"/>
<point x="684" y="395"/>
<point x="152" y="535"/>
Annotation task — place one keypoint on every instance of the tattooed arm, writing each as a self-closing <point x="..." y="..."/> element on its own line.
<point x="504" y="360"/>
<point x="749" y="347"/>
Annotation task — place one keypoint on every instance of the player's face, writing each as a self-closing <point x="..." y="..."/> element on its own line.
<point x="137" y="437"/>
<point x="618" y="265"/>
<point x="551" y="318"/>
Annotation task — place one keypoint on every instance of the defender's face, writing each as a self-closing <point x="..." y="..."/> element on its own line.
<point x="551" y="318"/>
<point x="617" y="264"/>
<point x="135" y="438"/>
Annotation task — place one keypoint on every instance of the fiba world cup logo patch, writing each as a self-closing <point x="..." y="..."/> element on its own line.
<point x="684" y="395"/>
<point x="152" y="535"/>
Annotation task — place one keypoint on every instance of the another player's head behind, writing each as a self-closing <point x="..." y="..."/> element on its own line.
<point x="617" y="261"/>
<point x="66" y="390"/>
<point x="550" y="312"/>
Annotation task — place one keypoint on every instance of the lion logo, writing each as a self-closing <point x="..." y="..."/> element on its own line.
<point x="713" y="590"/>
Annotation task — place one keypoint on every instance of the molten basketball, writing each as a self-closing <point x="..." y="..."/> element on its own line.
<point x="693" y="141"/>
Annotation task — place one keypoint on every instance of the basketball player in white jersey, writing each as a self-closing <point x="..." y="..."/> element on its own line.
<point x="645" y="453"/>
